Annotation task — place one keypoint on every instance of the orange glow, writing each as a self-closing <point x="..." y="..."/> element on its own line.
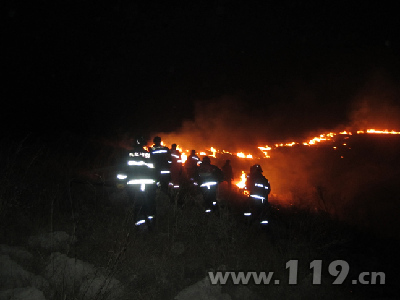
<point x="242" y="155"/>
<point x="382" y="131"/>
<point x="242" y="183"/>
<point x="322" y="137"/>
<point x="266" y="150"/>
<point x="213" y="150"/>
<point x="378" y="131"/>
<point x="290" y="144"/>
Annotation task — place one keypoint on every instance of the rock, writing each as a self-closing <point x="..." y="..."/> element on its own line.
<point x="13" y="275"/>
<point x="76" y="276"/>
<point x="109" y="288"/>
<point x="202" y="290"/>
<point x="18" y="254"/>
<point x="55" y="241"/>
<point x="30" y="293"/>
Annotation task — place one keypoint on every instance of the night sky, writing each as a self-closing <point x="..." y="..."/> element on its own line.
<point x="106" y="67"/>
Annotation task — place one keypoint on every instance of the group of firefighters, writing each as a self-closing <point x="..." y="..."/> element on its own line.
<point x="158" y="167"/>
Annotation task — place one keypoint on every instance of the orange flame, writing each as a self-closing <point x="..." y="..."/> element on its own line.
<point x="345" y="132"/>
<point x="265" y="150"/>
<point x="382" y="131"/>
<point x="213" y="150"/>
<point x="242" y="183"/>
<point x="242" y="155"/>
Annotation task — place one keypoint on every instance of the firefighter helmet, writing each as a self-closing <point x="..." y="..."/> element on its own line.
<point x="157" y="140"/>
<point x="256" y="168"/>
<point x="206" y="160"/>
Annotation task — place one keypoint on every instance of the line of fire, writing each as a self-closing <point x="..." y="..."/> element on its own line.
<point x="336" y="140"/>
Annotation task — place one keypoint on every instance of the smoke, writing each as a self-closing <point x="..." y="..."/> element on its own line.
<point x="376" y="105"/>
<point x="224" y="123"/>
<point x="238" y="123"/>
<point x="345" y="182"/>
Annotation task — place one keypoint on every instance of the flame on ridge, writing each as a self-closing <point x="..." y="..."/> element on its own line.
<point x="382" y="131"/>
<point x="324" y="137"/>
<point x="242" y="155"/>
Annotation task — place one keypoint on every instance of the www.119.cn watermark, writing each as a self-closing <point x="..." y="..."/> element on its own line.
<point x="337" y="268"/>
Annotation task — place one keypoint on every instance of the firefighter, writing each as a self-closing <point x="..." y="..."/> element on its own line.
<point x="228" y="174"/>
<point x="176" y="170"/>
<point x="139" y="178"/>
<point x="259" y="188"/>
<point x="192" y="165"/>
<point x="209" y="176"/>
<point x="161" y="157"/>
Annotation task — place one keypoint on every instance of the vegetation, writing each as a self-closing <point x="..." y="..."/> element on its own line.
<point x="45" y="187"/>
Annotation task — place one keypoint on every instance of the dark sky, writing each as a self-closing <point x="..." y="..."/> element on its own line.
<point x="103" y="67"/>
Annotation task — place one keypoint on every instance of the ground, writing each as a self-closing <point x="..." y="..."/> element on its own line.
<point x="66" y="235"/>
